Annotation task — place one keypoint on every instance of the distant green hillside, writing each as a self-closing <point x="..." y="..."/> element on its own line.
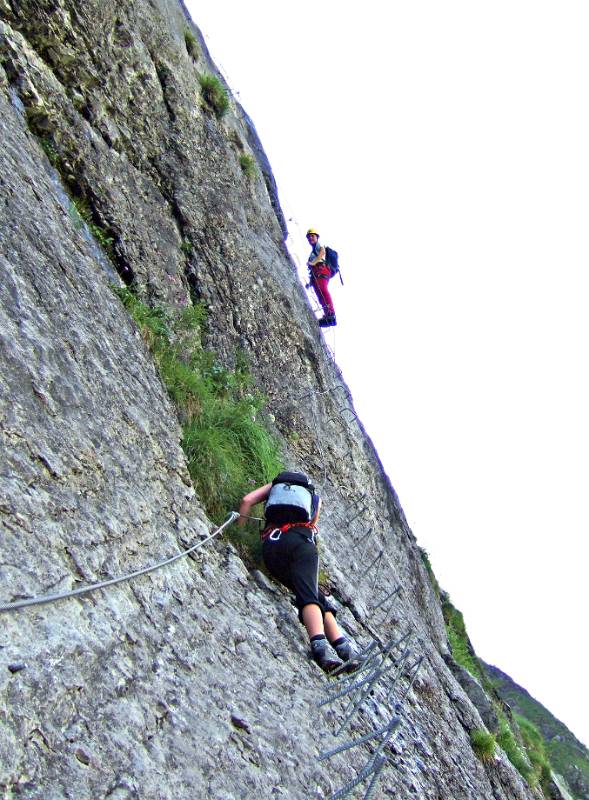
<point x="567" y="755"/>
<point x="540" y="746"/>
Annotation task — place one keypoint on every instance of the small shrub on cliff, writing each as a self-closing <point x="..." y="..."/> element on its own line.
<point x="514" y="752"/>
<point x="187" y="247"/>
<point x="214" y="93"/>
<point x="153" y="323"/>
<point x="483" y="744"/>
<point x="430" y="572"/>
<point x="459" y="642"/>
<point x="50" y="151"/>
<point x="80" y="212"/>
<point x="228" y="448"/>
<point x="191" y="43"/>
<point x="247" y="164"/>
<point x="536" y="750"/>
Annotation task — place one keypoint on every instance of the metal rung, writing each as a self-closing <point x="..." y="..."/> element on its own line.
<point x="364" y="536"/>
<point x="347" y="690"/>
<point x="382" y="602"/>
<point x="378" y="557"/>
<point x="391" y="724"/>
<point x="375" y="775"/>
<point x="359" y="514"/>
<point x="360" y="778"/>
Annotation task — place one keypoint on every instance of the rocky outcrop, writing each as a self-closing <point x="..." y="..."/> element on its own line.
<point x="568" y="755"/>
<point x="192" y="681"/>
<point x="476" y="694"/>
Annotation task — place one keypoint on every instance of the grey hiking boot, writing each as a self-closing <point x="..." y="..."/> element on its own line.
<point x="345" y="650"/>
<point x="321" y="655"/>
<point x="348" y="653"/>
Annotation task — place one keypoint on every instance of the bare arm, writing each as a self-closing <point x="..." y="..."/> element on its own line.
<point x="319" y="258"/>
<point x="252" y="499"/>
<point x="315" y="519"/>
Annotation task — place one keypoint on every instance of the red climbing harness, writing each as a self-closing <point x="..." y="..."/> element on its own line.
<point x="268" y="532"/>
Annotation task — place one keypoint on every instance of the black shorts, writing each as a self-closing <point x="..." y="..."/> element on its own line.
<point x="294" y="561"/>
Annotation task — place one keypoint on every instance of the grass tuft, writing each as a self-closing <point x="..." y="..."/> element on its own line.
<point x="187" y="247"/>
<point x="460" y="645"/>
<point x="228" y="447"/>
<point x="507" y="741"/>
<point x="536" y="750"/>
<point x="191" y="43"/>
<point x="214" y="93"/>
<point x="430" y="572"/>
<point x="51" y="152"/>
<point x="483" y="744"/>
<point x="81" y="213"/>
<point x="248" y="165"/>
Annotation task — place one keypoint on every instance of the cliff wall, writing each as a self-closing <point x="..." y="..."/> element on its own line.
<point x="192" y="681"/>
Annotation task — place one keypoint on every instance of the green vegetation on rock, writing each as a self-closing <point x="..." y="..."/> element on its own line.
<point x="483" y="744"/>
<point x="462" y="650"/>
<point x="191" y="43"/>
<point x="187" y="247"/>
<point x="80" y="211"/>
<point x="214" y="93"/>
<point x="228" y="447"/>
<point x="518" y="737"/>
<point x="50" y="151"/>
<point x="568" y="761"/>
<point x="430" y="572"/>
<point x="536" y="750"/>
<point x="567" y="756"/>
<point x="247" y="164"/>
<point x="507" y="740"/>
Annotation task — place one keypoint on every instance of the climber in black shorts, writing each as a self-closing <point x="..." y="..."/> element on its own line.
<point x="290" y="555"/>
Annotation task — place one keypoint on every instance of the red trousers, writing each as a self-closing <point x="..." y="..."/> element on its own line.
<point x="319" y="282"/>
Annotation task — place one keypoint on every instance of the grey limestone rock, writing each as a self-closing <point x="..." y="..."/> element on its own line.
<point x="192" y="681"/>
<point x="476" y="694"/>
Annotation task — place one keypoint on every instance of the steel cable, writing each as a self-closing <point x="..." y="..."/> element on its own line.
<point x="52" y="598"/>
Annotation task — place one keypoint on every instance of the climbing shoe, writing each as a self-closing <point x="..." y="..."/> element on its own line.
<point x="346" y="650"/>
<point x="321" y="655"/>
<point x="327" y="321"/>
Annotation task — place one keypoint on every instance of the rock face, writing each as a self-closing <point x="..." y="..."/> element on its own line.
<point x="192" y="681"/>
<point x="475" y="693"/>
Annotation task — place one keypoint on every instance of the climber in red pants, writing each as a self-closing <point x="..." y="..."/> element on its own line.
<point x="320" y="275"/>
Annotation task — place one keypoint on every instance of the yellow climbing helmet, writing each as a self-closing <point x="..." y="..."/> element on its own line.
<point x="311" y="231"/>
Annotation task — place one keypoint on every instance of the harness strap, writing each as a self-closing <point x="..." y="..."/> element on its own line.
<point x="270" y="531"/>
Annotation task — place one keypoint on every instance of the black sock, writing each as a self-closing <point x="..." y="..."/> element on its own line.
<point x="339" y="641"/>
<point x="318" y="637"/>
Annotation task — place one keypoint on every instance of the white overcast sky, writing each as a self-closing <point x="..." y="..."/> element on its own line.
<point x="443" y="150"/>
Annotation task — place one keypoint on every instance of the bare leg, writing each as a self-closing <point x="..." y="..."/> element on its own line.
<point x="317" y="625"/>
<point x="332" y="630"/>
<point x="313" y="620"/>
